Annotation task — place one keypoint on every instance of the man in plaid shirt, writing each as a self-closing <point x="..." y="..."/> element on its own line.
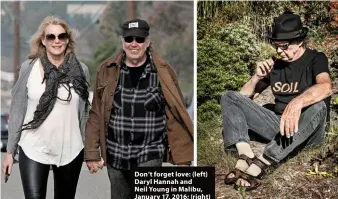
<point x="137" y="110"/>
<point x="136" y="132"/>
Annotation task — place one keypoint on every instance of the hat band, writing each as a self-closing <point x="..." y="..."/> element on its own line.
<point x="293" y="34"/>
<point x="135" y="32"/>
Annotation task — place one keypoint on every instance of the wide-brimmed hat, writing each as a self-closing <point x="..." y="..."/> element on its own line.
<point x="287" y="26"/>
<point x="136" y="28"/>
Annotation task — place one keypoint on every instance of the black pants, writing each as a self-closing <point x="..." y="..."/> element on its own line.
<point x="34" y="176"/>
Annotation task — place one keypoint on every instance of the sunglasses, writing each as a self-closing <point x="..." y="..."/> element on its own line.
<point x="130" y="39"/>
<point x="281" y="46"/>
<point x="62" y="37"/>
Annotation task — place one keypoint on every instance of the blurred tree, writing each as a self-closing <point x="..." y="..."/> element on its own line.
<point x="105" y="50"/>
<point x="112" y="18"/>
<point x="171" y="33"/>
<point x="32" y="13"/>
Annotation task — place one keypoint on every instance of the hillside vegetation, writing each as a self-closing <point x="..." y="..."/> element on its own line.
<point x="231" y="38"/>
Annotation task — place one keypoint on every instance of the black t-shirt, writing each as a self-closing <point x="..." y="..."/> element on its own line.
<point x="290" y="79"/>
<point x="136" y="72"/>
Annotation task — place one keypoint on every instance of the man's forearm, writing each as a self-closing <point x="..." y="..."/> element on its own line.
<point x="249" y="88"/>
<point x="314" y="94"/>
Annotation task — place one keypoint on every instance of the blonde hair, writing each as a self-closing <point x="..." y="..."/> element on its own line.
<point x="37" y="48"/>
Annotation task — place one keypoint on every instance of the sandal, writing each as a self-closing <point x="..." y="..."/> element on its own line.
<point x="254" y="181"/>
<point x="236" y="171"/>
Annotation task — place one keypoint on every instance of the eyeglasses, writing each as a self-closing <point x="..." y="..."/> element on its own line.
<point x="62" y="37"/>
<point x="284" y="46"/>
<point x="130" y="39"/>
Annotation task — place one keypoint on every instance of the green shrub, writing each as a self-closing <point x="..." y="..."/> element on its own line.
<point x="209" y="110"/>
<point x="223" y="63"/>
<point x="258" y="15"/>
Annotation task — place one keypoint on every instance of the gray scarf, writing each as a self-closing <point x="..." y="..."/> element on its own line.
<point x="70" y="72"/>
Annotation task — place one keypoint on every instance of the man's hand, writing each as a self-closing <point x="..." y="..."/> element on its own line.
<point x="94" y="166"/>
<point x="290" y="118"/>
<point x="263" y="68"/>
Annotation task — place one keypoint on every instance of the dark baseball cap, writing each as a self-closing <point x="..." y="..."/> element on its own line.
<point x="135" y="27"/>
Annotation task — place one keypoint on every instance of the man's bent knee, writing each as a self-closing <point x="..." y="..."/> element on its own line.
<point x="319" y="107"/>
<point x="231" y="95"/>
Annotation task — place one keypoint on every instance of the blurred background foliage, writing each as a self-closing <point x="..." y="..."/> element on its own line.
<point x="231" y="38"/>
<point x="98" y="32"/>
<point x="171" y="32"/>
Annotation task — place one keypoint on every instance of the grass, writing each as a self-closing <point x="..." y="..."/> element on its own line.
<point x="210" y="145"/>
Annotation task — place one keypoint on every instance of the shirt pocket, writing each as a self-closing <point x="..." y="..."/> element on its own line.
<point x="154" y="99"/>
<point x="117" y="102"/>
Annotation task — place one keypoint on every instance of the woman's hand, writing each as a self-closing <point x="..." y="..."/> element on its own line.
<point x="7" y="165"/>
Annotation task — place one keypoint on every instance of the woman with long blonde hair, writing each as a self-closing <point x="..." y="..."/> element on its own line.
<point x="48" y="113"/>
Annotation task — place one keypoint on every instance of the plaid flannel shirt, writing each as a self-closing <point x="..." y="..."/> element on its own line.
<point x="137" y="125"/>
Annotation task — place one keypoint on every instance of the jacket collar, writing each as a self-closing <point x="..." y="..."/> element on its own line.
<point x="116" y="60"/>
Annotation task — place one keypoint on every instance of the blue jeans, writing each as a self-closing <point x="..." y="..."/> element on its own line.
<point x="241" y="114"/>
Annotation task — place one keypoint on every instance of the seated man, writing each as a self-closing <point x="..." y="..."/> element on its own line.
<point x="300" y="82"/>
